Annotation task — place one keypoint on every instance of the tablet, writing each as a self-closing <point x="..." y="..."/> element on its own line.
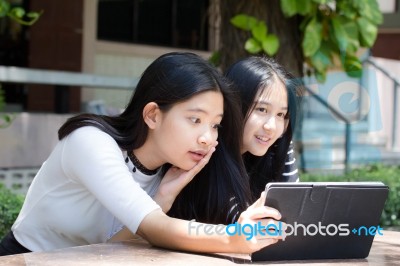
<point x="325" y="220"/>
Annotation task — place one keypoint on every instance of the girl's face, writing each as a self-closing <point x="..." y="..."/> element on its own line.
<point x="188" y="130"/>
<point x="266" y="122"/>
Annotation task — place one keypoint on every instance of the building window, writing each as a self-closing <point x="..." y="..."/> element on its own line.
<point x="173" y="23"/>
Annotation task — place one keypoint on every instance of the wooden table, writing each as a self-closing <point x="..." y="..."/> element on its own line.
<point x="385" y="251"/>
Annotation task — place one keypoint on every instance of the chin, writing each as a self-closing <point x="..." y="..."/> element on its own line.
<point x="185" y="167"/>
<point x="259" y="153"/>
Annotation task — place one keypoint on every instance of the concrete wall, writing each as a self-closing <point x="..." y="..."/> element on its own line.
<point x="29" y="140"/>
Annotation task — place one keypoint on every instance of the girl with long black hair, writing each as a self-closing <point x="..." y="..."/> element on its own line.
<point x="108" y="172"/>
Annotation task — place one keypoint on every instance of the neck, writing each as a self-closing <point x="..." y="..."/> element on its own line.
<point x="148" y="156"/>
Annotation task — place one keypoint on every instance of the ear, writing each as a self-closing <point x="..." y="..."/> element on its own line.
<point x="151" y="113"/>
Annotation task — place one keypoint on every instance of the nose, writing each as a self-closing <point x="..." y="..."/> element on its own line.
<point x="270" y="124"/>
<point x="206" y="138"/>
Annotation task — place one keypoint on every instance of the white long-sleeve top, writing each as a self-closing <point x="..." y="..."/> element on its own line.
<point x="82" y="192"/>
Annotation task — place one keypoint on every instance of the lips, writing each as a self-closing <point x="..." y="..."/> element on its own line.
<point x="263" y="139"/>
<point x="197" y="155"/>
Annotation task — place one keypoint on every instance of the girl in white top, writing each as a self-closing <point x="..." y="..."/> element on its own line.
<point x="106" y="171"/>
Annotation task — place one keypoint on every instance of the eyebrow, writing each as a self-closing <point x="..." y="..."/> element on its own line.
<point x="199" y="110"/>
<point x="268" y="103"/>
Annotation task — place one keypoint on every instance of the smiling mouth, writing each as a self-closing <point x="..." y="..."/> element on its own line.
<point x="263" y="139"/>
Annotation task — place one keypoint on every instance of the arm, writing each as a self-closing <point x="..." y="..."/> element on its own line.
<point x="161" y="230"/>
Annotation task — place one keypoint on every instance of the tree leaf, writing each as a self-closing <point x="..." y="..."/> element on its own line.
<point x="259" y="31"/>
<point x="244" y="22"/>
<point x="312" y="38"/>
<point x="369" y="9"/>
<point x="33" y="15"/>
<point x="351" y="31"/>
<point x="353" y="66"/>
<point x="347" y="9"/>
<point x="321" y="60"/>
<point x="340" y="35"/>
<point x="252" y="46"/>
<point x="215" y="58"/>
<point x="320" y="76"/>
<point x="4" y="8"/>
<point x="271" y="44"/>
<point x="303" y="7"/>
<point x="320" y="1"/>
<point x="289" y="7"/>
<point x="17" y="12"/>
<point x="368" y="32"/>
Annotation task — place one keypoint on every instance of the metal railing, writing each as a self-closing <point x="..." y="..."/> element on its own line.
<point x="347" y="121"/>
<point x="396" y="85"/>
<point x="63" y="81"/>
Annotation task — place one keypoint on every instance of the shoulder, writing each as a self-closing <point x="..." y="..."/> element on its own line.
<point x="88" y="149"/>
<point x="87" y="131"/>
<point x="90" y="135"/>
<point x="90" y="142"/>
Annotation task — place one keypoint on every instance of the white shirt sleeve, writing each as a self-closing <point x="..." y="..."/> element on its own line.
<point x="94" y="159"/>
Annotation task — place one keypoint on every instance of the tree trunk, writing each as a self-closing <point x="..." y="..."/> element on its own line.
<point x="233" y="39"/>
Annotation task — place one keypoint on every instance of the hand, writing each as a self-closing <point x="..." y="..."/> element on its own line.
<point x="175" y="179"/>
<point x="256" y="214"/>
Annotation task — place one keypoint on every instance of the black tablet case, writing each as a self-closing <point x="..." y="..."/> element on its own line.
<point x="353" y="203"/>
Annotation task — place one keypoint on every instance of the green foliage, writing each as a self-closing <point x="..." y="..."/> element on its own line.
<point x="5" y="119"/>
<point x="389" y="175"/>
<point x="260" y="40"/>
<point x="10" y="205"/>
<point x="330" y="29"/>
<point x="215" y="58"/>
<point x="335" y="28"/>
<point x="18" y="13"/>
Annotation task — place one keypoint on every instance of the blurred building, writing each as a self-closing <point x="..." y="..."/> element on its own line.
<point x="120" y="38"/>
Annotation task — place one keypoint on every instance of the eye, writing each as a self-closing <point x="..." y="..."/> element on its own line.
<point x="281" y="115"/>
<point x="195" y="120"/>
<point x="262" y="109"/>
<point x="217" y="126"/>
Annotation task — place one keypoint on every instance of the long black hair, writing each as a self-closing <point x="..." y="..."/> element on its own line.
<point x="249" y="76"/>
<point x="170" y="79"/>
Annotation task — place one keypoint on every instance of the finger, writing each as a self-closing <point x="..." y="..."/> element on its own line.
<point x="201" y="163"/>
<point x="265" y="242"/>
<point x="262" y="212"/>
<point x="272" y="227"/>
<point x="261" y="237"/>
<point x="268" y="222"/>
<point x="259" y="202"/>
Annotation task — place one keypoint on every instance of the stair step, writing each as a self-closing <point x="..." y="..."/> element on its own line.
<point x="332" y="126"/>
<point x="334" y="158"/>
<point x="319" y="140"/>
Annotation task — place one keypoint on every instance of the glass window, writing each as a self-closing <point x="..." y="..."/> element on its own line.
<point x="174" y="23"/>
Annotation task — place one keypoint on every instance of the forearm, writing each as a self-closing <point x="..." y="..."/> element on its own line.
<point x="165" y="202"/>
<point x="163" y="231"/>
<point x="171" y="233"/>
